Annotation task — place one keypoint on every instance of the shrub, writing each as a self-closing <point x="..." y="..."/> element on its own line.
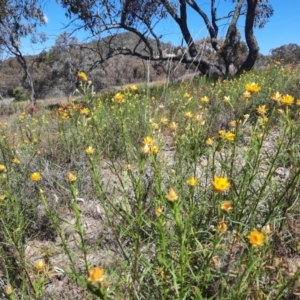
<point x="20" y="95"/>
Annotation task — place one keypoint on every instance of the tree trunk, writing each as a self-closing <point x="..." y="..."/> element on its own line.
<point x="250" y="38"/>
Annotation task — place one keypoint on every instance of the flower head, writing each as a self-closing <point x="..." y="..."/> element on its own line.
<point x="256" y="238"/>
<point x="229" y="136"/>
<point x="2" y="168"/>
<point x="9" y="290"/>
<point x="89" y="150"/>
<point x="146" y="149"/>
<point x="40" y="264"/>
<point x="247" y="95"/>
<point x="226" y="99"/>
<point x="192" y="182"/>
<point x="148" y="141"/>
<point x="16" y="161"/>
<point x="164" y="121"/>
<point x="209" y="142"/>
<point x="172" y="196"/>
<point x="35" y="176"/>
<point x="119" y="98"/>
<point x="221" y="184"/>
<point x="267" y="229"/>
<point x="133" y="87"/>
<point x="84" y="111"/>
<point x="82" y="76"/>
<point x="226" y="205"/>
<point x="198" y="118"/>
<point x="188" y="114"/>
<point x="222" y="227"/>
<point x="154" y="149"/>
<point x="252" y="87"/>
<point x="287" y="100"/>
<point x="276" y="97"/>
<point x="96" y="275"/>
<point x="173" y="126"/>
<point x="158" y="211"/>
<point x="261" y="110"/>
<point x="204" y="99"/>
<point x="71" y="177"/>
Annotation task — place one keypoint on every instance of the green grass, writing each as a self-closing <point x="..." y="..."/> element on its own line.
<point x="155" y="193"/>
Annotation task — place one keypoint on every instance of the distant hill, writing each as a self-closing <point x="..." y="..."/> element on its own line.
<point x="54" y="71"/>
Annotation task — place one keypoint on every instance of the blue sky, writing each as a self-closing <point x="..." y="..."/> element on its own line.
<point x="282" y="28"/>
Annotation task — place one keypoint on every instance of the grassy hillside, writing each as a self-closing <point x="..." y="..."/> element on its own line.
<point x="186" y="191"/>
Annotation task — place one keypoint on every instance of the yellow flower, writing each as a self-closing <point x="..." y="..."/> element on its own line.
<point x="133" y="87"/>
<point x="128" y="167"/>
<point x="40" y="265"/>
<point x="276" y="97"/>
<point x="252" y="87"/>
<point x="82" y="76"/>
<point x="221" y="184"/>
<point x="158" y="211"/>
<point x="298" y="102"/>
<point x="226" y="205"/>
<point x="188" y="115"/>
<point x="287" y="100"/>
<point x="222" y="227"/>
<point x="71" y="177"/>
<point x="222" y="133"/>
<point x="2" y="197"/>
<point x="9" y="290"/>
<point x="119" y="98"/>
<point x="204" y="99"/>
<point x="229" y="136"/>
<point x="84" y="111"/>
<point x="260" y="135"/>
<point x="246" y="117"/>
<point x="262" y="120"/>
<point x="146" y="149"/>
<point x="154" y="126"/>
<point x="96" y="275"/>
<point x="2" y="168"/>
<point x="267" y="229"/>
<point x="173" y="126"/>
<point x="89" y="150"/>
<point x="148" y="141"/>
<point x="172" y="196"/>
<point x="226" y="99"/>
<point x="256" y="238"/>
<point x="154" y="149"/>
<point x="164" y="121"/>
<point x="36" y="176"/>
<point x="247" y="94"/>
<point x="192" y="182"/>
<point x="209" y="142"/>
<point x="262" y="110"/>
<point x="298" y="247"/>
<point x="280" y="111"/>
<point x="198" y="118"/>
<point x="233" y="123"/>
<point x="186" y="95"/>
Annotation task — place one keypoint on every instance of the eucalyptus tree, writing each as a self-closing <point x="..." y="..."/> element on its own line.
<point x="20" y="19"/>
<point x="105" y="18"/>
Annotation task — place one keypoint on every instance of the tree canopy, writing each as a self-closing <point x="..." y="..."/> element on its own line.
<point x="108" y="17"/>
